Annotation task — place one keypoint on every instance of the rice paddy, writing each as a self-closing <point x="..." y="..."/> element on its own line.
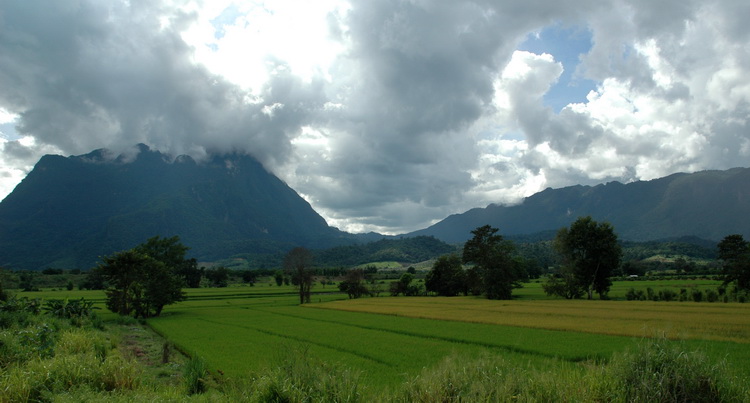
<point x="241" y="331"/>
<point x="390" y="339"/>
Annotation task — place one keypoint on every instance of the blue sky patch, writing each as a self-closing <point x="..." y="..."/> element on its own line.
<point x="565" y="44"/>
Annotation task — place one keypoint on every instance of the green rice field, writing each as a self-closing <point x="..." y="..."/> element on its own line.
<point x="246" y="330"/>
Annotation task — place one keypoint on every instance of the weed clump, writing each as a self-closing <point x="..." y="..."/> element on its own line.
<point x="301" y="378"/>
<point x="195" y="375"/>
<point x="660" y="371"/>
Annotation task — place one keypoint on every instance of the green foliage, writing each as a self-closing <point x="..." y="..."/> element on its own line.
<point x="353" y="284"/>
<point x="591" y="252"/>
<point x="218" y="277"/>
<point x="563" y="284"/>
<point x="75" y="309"/>
<point x="734" y="251"/>
<point x="404" y="286"/>
<point x="495" y="268"/>
<point x="447" y="276"/>
<point x="140" y="284"/>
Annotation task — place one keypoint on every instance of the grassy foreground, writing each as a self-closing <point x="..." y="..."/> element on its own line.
<point x="256" y="344"/>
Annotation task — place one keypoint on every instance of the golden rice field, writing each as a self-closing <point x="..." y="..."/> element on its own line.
<point x="674" y="320"/>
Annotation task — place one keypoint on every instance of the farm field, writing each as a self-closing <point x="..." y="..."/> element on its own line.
<point x="391" y="339"/>
<point x="244" y="330"/>
<point x="673" y="320"/>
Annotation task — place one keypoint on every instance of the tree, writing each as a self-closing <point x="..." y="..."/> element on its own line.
<point x="172" y="253"/>
<point x="278" y="276"/>
<point x="563" y="284"/>
<point x="494" y="266"/>
<point x="189" y="271"/>
<point x="591" y="252"/>
<point x="297" y="264"/>
<point x="447" y="276"/>
<point x="144" y="279"/>
<point x="219" y="277"/>
<point x="734" y="251"/>
<point x="249" y="276"/>
<point x="3" y="292"/>
<point x="404" y="286"/>
<point x="354" y="284"/>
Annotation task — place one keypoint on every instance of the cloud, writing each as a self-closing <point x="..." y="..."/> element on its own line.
<point x="124" y="75"/>
<point x="386" y="115"/>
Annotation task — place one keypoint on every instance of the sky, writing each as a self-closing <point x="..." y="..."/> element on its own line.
<point x="386" y="115"/>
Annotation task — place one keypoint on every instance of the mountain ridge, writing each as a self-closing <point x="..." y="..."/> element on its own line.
<point x="708" y="204"/>
<point x="70" y="210"/>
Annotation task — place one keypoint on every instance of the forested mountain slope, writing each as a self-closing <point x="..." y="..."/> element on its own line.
<point x="69" y="211"/>
<point x="708" y="204"/>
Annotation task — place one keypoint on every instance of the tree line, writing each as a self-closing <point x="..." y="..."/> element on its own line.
<point x="588" y="253"/>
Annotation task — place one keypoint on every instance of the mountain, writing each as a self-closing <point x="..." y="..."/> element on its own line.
<point x="708" y="204"/>
<point x="69" y="211"/>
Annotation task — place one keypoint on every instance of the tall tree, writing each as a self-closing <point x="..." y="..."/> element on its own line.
<point x="493" y="261"/>
<point x="734" y="251"/>
<point x="171" y="252"/>
<point x="298" y="264"/>
<point x="447" y="276"/>
<point x="590" y="250"/>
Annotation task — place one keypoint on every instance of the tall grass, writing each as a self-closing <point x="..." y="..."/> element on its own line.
<point x="302" y="378"/>
<point x="657" y="371"/>
<point x="195" y="376"/>
<point x="38" y="379"/>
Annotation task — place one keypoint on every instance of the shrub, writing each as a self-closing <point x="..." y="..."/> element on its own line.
<point x="712" y="296"/>
<point x="631" y="295"/>
<point x="683" y="295"/>
<point x="697" y="295"/>
<point x="667" y="295"/>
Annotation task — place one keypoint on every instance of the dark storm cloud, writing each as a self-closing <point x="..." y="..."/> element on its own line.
<point x="85" y="75"/>
<point x="418" y="76"/>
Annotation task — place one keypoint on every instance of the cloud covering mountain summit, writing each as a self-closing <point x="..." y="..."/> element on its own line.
<point x="384" y="115"/>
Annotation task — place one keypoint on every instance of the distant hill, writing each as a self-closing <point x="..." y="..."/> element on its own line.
<point x="69" y="211"/>
<point x="708" y="204"/>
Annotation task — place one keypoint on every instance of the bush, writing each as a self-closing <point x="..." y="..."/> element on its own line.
<point x="712" y="296"/>
<point x="683" y="295"/>
<point x="667" y="295"/>
<point x="631" y="295"/>
<point x="697" y="295"/>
